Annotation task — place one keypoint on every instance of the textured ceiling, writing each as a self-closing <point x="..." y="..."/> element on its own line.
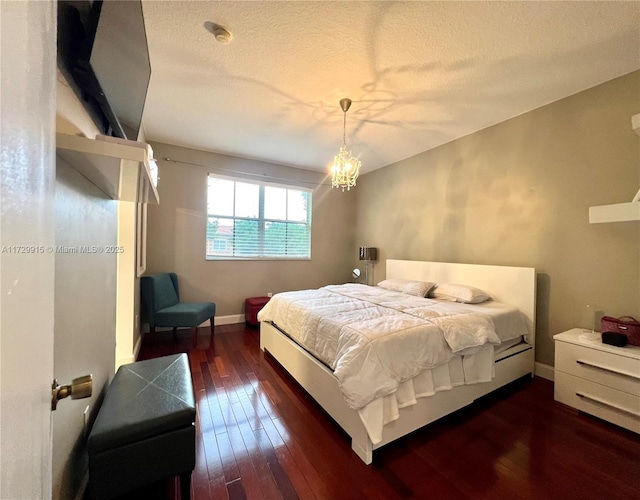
<point x="420" y="74"/>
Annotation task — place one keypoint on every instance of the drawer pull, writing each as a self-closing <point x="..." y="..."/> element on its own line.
<point x="607" y="369"/>
<point x="606" y="403"/>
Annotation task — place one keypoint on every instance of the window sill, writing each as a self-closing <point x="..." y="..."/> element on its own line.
<point x="252" y="259"/>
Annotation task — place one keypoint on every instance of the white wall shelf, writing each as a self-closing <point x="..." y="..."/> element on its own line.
<point x="119" y="169"/>
<point x="619" y="212"/>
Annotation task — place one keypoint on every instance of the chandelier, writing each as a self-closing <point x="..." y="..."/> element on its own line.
<point x="345" y="168"/>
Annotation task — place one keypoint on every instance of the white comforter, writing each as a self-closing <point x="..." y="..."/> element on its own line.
<point x="374" y="339"/>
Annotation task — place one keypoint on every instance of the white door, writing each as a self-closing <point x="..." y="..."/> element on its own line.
<point x="27" y="179"/>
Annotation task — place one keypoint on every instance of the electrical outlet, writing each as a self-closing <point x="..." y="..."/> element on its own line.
<point x="269" y="294"/>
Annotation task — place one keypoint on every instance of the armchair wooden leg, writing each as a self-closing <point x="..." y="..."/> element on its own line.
<point x="195" y="336"/>
<point x="175" y="335"/>
<point x="152" y="331"/>
<point x="212" y="320"/>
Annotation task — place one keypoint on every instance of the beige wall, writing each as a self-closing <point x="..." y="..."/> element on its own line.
<point x="518" y="193"/>
<point x="85" y="298"/>
<point x="85" y="316"/>
<point x="72" y="118"/>
<point x="176" y="232"/>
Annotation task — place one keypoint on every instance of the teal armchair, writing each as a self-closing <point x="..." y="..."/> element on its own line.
<point x="160" y="296"/>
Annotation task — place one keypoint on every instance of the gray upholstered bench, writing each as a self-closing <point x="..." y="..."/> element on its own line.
<point x="145" y="429"/>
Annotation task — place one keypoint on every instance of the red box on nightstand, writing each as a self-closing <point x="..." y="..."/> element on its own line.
<point x="252" y="307"/>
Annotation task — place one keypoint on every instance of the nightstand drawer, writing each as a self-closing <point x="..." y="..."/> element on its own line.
<point x="619" y="372"/>
<point x="609" y="404"/>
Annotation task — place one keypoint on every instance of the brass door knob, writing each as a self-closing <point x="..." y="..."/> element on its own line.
<point x="80" y="388"/>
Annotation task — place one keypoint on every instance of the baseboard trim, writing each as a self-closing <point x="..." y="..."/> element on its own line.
<point x="231" y="319"/>
<point x="136" y="348"/>
<point x="545" y="371"/>
<point x="125" y="360"/>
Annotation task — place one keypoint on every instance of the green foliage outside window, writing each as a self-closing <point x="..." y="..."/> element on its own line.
<point x="285" y="234"/>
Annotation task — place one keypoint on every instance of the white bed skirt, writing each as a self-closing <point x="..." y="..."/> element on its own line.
<point x="461" y="370"/>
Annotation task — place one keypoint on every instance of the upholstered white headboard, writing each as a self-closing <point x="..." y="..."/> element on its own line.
<point x="512" y="285"/>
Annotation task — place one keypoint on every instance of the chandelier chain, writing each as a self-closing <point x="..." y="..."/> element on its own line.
<point x="344" y="128"/>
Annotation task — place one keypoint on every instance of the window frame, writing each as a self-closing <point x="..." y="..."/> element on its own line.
<point x="262" y="221"/>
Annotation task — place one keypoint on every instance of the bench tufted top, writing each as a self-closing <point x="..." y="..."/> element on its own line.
<point x="145" y="399"/>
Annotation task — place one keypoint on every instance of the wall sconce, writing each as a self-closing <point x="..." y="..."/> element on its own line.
<point x="356" y="275"/>
<point x="369" y="255"/>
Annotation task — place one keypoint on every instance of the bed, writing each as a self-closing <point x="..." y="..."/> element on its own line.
<point x="375" y="417"/>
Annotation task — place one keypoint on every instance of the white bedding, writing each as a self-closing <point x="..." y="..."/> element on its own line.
<point x="374" y="340"/>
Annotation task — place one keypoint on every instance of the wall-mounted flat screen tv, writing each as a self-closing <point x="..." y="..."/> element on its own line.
<point x="103" y="52"/>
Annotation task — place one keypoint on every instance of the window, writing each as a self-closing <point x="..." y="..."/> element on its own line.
<point x="254" y="220"/>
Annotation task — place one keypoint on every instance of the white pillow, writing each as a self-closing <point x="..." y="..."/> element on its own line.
<point x="410" y="287"/>
<point x="459" y="293"/>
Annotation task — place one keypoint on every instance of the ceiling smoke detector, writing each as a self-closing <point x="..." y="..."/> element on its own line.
<point x="220" y="33"/>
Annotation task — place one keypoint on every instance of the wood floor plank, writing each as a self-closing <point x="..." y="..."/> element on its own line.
<point x="260" y="465"/>
<point x="215" y="412"/>
<point x="258" y="400"/>
<point x="227" y="458"/>
<point x="250" y="480"/>
<point x="218" y="489"/>
<point x="200" y="477"/>
<point x="288" y="476"/>
<point x="222" y="399"/>
<point x="310" y="474"/>
<point x="284" y="486"/>
<point x="235" y="490"/>
<point x="211" y="451"/>
<point x="260" y="435"/>
<point x="245" y="393"/>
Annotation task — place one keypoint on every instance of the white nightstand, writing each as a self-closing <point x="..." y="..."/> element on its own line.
<point x="599" y="379"/>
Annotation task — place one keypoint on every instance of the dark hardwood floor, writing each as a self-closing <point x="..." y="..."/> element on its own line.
<point x="259" y="435"/>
